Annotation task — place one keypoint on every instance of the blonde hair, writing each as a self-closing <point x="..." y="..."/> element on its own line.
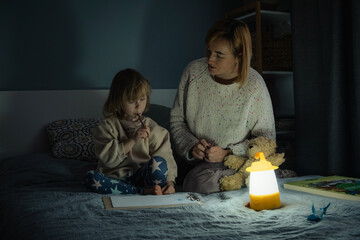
<point x="237" y="34"/>
<point x="127" y="85"/>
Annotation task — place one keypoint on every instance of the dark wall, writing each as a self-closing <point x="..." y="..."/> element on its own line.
<point x="74" y="44"/>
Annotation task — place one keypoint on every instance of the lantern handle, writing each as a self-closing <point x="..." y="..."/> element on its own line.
<point x="260" y="155"/>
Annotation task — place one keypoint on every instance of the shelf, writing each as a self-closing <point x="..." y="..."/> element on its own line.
<point x="269" y="18"/>
<point x="272" y="54"/>
<point x="271" y="38"/>
<point x="286" y="132"/>
<point x="278" y="73"/>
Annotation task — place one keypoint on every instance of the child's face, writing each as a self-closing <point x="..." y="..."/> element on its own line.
<point x="135" y="108"/>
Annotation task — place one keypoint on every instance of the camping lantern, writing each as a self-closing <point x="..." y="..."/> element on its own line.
<point x="263" y="187"/>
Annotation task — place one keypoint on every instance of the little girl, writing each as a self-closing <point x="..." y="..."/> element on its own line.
<point x="134" y="152"/>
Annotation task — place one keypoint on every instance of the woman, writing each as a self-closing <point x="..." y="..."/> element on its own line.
<point x="221" y="102"/>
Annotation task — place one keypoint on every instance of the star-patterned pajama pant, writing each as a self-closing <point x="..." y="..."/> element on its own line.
<point x="152" y="173"/>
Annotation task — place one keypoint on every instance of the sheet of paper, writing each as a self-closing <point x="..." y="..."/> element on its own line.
<point x="130" y="201"/>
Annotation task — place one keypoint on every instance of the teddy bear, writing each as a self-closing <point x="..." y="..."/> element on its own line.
<point x="238" y="163"/>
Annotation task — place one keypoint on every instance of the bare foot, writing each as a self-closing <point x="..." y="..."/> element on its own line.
<point x="156" y="190"/>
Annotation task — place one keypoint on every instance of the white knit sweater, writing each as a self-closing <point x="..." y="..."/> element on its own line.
<point x="227" y="114"/>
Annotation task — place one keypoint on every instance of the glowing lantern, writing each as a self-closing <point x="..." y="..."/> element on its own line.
<point x="263" y="187"/>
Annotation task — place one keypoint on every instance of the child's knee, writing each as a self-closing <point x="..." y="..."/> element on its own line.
<point x="157" y="172"/>
<point x="94" y="175"/>
<point x="159" y="164"/>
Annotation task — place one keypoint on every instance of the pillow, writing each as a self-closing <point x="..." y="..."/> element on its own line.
<point x="72" y="138"/>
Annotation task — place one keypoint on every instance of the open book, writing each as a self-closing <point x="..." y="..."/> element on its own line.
<point x="150" y="201"/>
<point x="331" y="186"/>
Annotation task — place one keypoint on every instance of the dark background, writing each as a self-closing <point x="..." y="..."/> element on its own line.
<point x="78" y="44"/>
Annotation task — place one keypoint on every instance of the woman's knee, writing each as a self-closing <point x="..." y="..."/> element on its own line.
<point x="204" y="178"/>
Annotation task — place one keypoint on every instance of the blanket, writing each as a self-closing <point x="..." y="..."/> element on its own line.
<point x="42" y="197"/>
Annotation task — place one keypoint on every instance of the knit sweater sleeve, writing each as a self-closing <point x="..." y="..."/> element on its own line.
<point x="182" y="136"/>
<point x="264" y="123"/>
<point x="261" y="120"/>
<point x="160" y="146"/>
<point x="109" y="148"/>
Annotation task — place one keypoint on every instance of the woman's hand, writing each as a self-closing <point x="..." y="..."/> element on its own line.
<point x="169" y="188"/>
<point x="204" y="150"/>
<point x="216" y="154"/>
<point x="198" y="151"/>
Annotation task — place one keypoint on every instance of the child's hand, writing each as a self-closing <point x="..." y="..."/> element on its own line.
<point x="169" y="188"/>
<point x="142" y="133"/>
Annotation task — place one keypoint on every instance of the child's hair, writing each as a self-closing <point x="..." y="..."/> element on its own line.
<point x="237" y="34"/>
<point x="127" y="85"/>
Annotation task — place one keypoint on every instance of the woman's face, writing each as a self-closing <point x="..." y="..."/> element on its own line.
<point x="133" y="109"/>
<point x="220" y="59"/>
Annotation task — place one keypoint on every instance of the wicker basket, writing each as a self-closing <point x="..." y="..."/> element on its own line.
<point x="276" y="52"/>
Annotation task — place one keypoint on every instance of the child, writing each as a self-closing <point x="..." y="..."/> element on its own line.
<point x="134" y="152"/>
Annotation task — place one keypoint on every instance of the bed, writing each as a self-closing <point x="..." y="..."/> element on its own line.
<point x="42" y="196"/>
